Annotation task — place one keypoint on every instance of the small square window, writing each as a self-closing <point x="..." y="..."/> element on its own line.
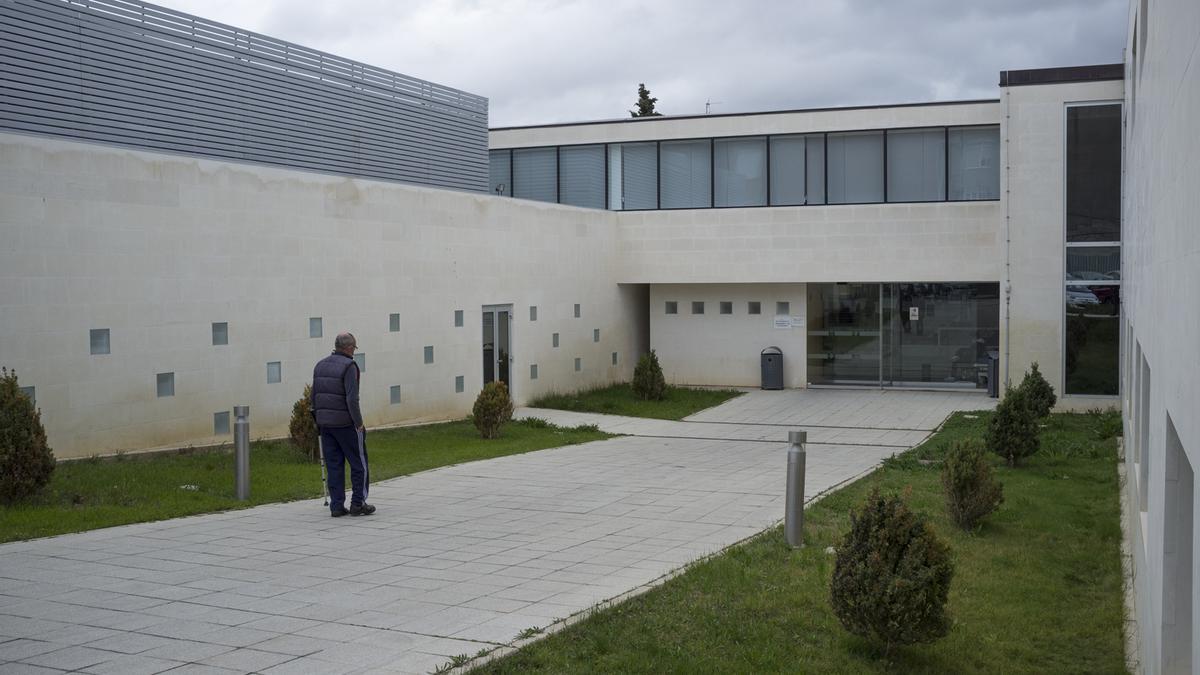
<point x="672" y="307"/>
<point x="394" y="323"/>
<point x="697" y="307"/>
<point x="99" y="338"/>
<point x="578" y="364"/>
<point x="533" y="371"/>
<point x="31" y="392"/>
<point x="533" y="313"/>
<point x="726" y="307"/>
<point x="428" y="353"/>
<point x="314" y="327"/>
<point x="577" y="314"/>
<point x="361" y="359"/>
<point x="221" y="423"/>
<point x="220" y="333"/>
<point x="754" y="307"/>
<point x="595" y="335"/>
<point x="166" y="384"/>
<point x="614" y="358"/>
<point x="554" y="340"/>
<point x="459" y="384"/>
<point x="458" y="318"/>
<point x="782" y="309"/>
<point x="395" y="393"/>
<point x="275" y="372"/>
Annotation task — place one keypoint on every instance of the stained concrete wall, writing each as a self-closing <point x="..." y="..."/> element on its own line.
<point x="1161" y="278"/>
<point x="156" y="247"/>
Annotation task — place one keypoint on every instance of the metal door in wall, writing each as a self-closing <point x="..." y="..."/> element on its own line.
<point x="497" y="344"/>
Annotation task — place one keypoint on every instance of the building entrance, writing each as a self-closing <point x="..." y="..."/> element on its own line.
<point x="902" y="334"/>
<point x="497" y="344"/>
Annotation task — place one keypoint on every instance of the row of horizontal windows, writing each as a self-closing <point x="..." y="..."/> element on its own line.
<point x="929" y="164"/>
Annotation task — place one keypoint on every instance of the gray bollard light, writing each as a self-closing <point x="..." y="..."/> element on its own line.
<point x="241" y="450"/>
<point x="793" y="516"/>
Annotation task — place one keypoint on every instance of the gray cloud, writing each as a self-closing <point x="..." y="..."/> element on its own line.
<point x="541" y="61"/>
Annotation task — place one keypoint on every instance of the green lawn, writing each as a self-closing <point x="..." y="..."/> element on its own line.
<point x="619" y="399"/>
<point x="95" y="493"/>
<point x="1036" y="590"/>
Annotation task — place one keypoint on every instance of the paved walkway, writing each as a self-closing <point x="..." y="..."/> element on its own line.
<point x="458" y="559"/>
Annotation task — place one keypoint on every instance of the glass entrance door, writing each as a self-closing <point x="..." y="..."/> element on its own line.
<point x="497" y="344"/>
<point x="902" y="334"/>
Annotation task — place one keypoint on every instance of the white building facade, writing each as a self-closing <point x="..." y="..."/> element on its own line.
<point x="148" y="285"/>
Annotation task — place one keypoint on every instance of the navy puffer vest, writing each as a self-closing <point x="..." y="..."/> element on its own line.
<point x="329" y="391"/>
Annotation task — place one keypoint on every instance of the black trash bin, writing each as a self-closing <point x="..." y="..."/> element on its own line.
<point x="993" y="378"/>
<point x="772" y="368"/>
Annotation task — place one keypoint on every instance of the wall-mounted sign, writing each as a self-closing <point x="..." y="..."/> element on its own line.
<point x="783" y="321"/>
<point x="797" y="322"/>
<point x="914" y="314"/>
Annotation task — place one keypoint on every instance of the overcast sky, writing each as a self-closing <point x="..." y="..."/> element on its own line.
<point x="541" y="61"/>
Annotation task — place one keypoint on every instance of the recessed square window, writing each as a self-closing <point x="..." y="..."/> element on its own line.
<point x="314" y="327"/>
<point x="166" y="384"/>
<point x="428" y="353"/>
<point x="459" y="384"/>
<point x="614" y="358"/>
<point x="99" y="339"/>
<point x="275" y="372"/>
<point x="754" y="307"/>
<point x="395" y="394"/>
<point x="595" y="335"/>
<point x="394" y="323"/>
<point x="533" y="371"/>
<point x="220" y="333"/>
<point x="554" y="340"/>
<point x="31" y="392"/>
<point x="782" y="309"/>
<point x="672" y="307"/>
<point x="458" y="318"/>
<point x="726" y="307"/>
<point x="533" y="313"/>
<point x="577" y="313"/>
<point x="578" y="364"/>
<point x="361" y="359"/>
<point x="697" y="307"/>
<point x="221" y="423"/>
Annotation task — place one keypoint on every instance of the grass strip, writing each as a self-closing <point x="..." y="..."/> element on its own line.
<point x="619" y="399"/>
<point x="94" y="493"/>
<point x="1037" y="589"/>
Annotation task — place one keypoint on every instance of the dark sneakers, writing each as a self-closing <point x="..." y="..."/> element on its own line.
<point x="361" y="509"/>
<point x="338" y="513"/>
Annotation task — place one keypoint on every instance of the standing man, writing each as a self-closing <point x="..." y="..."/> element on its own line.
<point x="339" y="421"/>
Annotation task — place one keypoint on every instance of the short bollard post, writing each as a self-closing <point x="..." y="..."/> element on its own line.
<point x="793" y="517"/>
<point x="241" y="451"/>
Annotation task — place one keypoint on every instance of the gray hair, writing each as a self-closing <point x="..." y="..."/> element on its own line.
<point x="344" y="341"/>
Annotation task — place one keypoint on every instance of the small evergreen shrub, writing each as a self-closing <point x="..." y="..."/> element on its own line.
<point x="26" y="460"/>
<point x="303" y="428"/>
<point x="493" y="408"/>
<point x="1013" y="430"/>
<point x="1038" y="392"/>
<point x="648" y="381"/>
<point x="972" y="492"/>
<point x="891" y="576"/>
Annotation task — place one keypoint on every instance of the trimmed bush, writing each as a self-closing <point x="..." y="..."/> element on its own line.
<point x="493" y="408"/>
<point x="1013" y="432"/>
<point x="971" y="490"/>
<point x="648" y="381"/>
<point x="1038" y="392"/>
<point x="303" y="428"/>
<point x="26" y="460"/>
<point x="891" y="576"/>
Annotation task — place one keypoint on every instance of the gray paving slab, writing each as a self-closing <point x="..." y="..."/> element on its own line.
<point x="457" y="559"/>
